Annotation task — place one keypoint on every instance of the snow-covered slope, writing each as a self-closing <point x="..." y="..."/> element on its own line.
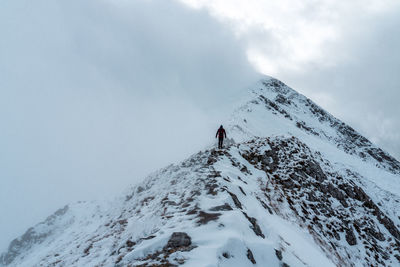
<point x="295" y="187"/>
<point x="274" y="108"/>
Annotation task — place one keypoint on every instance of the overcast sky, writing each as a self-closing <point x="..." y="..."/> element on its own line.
<point x="342" y="54"/>
<point x="96" y="94"/>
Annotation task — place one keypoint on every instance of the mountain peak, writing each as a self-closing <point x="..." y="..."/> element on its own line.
<point x="276" y="109"/>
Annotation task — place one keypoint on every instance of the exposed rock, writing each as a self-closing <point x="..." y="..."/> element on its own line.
<point x="241" y="190"/>
<point x="226" y="255"/>
<point x="350" y="237"/>
<point x="193" y="211"/>
<point x="397" y="256"/>
<point x="87" y="250"/>
<point x="278" y="254"/>
<point x="140" y="189"/>
<point x="288" y="183"/>
<point x="303" y="125"/>
<point x="224" y="207"/>
<point x="312" y="169"/>
<point x="205" y="217"/>
<point x="265" y="206"/>
<point x="211" y="186"/>
<point x="245" y="170"/>
<point x="148" y="237"/>
<point x="129" y="243"/>
<point x="389" y="225"/>
<point x="250" y="256"/>
<point x="272" y="105"/>
<point x="235" y="200"/>
<point x="178" y="240"/>
<point x="376" y="234"/>
<point x="282" y="100"/>
<point x="254" y="226"/>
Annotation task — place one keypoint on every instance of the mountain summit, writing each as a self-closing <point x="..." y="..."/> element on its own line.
<point x="294" y="187"/>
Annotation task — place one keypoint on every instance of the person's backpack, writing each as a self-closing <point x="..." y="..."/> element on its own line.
<point x="221" y="132"/>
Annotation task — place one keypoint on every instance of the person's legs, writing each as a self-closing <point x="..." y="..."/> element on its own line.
<point x="220" y="142"/>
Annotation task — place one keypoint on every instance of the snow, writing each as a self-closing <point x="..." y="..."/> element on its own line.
<point x="135" y="227"/>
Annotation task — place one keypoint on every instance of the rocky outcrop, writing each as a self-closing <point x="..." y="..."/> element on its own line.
<point x="178" y="240"/>
<point x="250" y="256"/>
<point x="326" y="203"/>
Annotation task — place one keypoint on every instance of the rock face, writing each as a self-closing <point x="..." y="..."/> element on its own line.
<point x="179" y="239"/>
<point x="250" y="256"/>
<point x="327" y="203"/>
<point x="310" y="196"/>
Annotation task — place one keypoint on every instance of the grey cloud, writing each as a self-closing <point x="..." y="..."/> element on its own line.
<point x="353" y="74"/>
<point x="96" y="94"/>
<point x="365" y="85"/>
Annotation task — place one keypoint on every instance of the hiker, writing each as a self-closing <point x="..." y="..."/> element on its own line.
<point x="220" y="134"/>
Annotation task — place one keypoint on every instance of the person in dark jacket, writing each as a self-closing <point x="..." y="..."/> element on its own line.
<point x="220" y="134"/>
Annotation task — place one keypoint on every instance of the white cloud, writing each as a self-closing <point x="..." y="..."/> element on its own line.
<point x="303" y="30"/>
<point x="344" y="51"/>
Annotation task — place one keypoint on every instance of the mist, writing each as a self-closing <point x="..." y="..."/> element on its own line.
<point x="364" y="89"/>
<point x="94" y="95"/>
<point x="342" y="55"/>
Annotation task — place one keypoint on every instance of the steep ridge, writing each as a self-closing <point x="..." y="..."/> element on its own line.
<point x="275" y="108"/>
<point x="281" y="195"/>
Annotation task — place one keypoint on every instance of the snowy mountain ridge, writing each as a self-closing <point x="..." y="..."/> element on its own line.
<point x="294" y="109"/>
<point x="295" y="187"/>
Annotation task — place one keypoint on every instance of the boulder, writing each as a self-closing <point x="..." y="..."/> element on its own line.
<point x="179" y="239"/>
